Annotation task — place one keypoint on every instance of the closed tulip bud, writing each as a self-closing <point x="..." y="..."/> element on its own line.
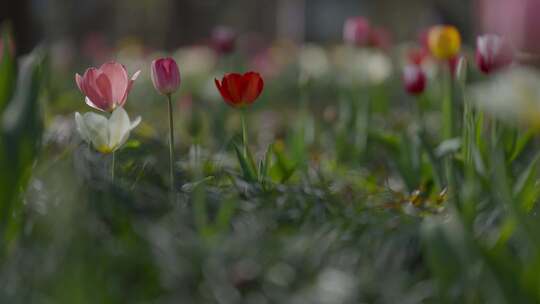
<point x="444" y="42"/>
<point x="492" y="53"/>
<point x="357" y="31"/>
<point x="165" y="75"/>
<point x="414" y="79"/>
<point x="105" y="135"/>
<point x="223" y="39"/>
<point x="107" y="87"/>
<point x="240" y="90"/>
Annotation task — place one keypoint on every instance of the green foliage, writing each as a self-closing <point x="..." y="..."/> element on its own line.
<point x="20" y="140"/>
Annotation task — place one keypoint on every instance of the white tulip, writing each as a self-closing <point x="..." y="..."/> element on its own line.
<point x="105" y="135"/>
<point x="512" y="95"/>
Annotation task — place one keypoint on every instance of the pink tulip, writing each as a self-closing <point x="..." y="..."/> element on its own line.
<point x="492" y="53"/>
<point x="356" y="31"/>
<point x="165" y="75"/>
<point x="107" y="87"/>
<point x="223" y="39"/>
<point x="516" y="20"/>
<point x="414" y="79"/>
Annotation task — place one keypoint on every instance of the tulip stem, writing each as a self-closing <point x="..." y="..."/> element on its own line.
<point x="171" y="145"/>
<point x="244" y="132"/>
<point x="113" y="165"/>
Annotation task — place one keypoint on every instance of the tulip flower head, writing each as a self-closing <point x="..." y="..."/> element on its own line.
<point x="444" y="42"/>
<point x="106" y="87"/>
<point x="380" y="38"/>
<point x="105" y="135"/>
<point x="492" y="53"/>
<point x="357" y="31"/>
<point x="223" y="39"/>
<point x="240" y="90"/>
<point x="165" y="75"/>
<point x="414" y="79"/>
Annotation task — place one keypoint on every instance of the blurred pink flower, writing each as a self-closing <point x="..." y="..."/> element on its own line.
<point x="380" y="38"/>
<point x="516" y="20"/>
<point x="492" y="53"/>
<point x="94" y="46"/>
<point x="417" y="55"/>
<point x="107" y="87"/>
<point x="414" y="79"/>
<point x="356" y="31"/>
<point x="223" y="39"/>
<point x="165" y="75"/>
<point x="453" y="64"/>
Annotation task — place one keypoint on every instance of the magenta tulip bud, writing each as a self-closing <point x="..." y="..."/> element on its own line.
<point x="492" y="53"/>
<point x="165" y="75"/>
<point x="414" y="79"/>
<point x="357" y="31"/>
<point x="223" y="39"/>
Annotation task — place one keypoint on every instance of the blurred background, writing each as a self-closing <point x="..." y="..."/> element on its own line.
<point x="170" y="24"/>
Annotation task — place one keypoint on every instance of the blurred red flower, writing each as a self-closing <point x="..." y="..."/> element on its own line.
<point x="414" y="79"/>
<point x="492" y="53"/>
<point x="239" y="90"/>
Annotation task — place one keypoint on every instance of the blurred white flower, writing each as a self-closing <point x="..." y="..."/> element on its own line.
<point x="196" y="61"/>
<point x="361" y="66"/>
<point x="105" y="135"/>
<point x="313" y="62"/>
<point x="513" y="96"/>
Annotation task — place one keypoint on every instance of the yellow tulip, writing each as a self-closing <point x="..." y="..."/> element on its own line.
<point x="444" y="41"/>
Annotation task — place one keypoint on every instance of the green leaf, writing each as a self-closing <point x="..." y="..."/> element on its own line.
<point x="526" y="190"/>
<point x="265" y="164"/>
<point x="20" y="139"/>
<point x="8" y="70"/>
<point x="248" y="171"/>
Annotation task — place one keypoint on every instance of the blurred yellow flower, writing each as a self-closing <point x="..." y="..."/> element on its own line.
<point x="444" y="41"/>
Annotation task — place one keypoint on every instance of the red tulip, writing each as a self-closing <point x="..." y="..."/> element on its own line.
<point x="357" y="31"/>
<point x="417" y="55"/>
<point x="107" y="87"/>
<point x="414" y="79"/>
<point x="223" y="39"/>
<point x="380" y="38"/>
<point x="453" y="64"/>
<point x="165" y="75"/>
<point x="239" y="90"/>
<point x="492" y="53"/>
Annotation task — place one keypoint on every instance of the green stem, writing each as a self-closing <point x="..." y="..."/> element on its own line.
<point x="113" y="165"/>
<point x="171" y="144"/>
<point x="447" y="106"/>
<point x="244" y="132"/>
<point x="448" y="132"/>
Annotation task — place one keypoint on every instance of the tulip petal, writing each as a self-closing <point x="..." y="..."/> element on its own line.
<point x="79" y="80"/>
<point x="119" y="127"/>
<point x="129" y="87"/>
<point x="92" y="91"/>
<point x="98" y="131"/>
<point x="234" y="85"/>
<point x="135" y="122"/>
<point x="223" y="92"/>
<point x="105" y="88"/>
<point x="253" y="87"/>
<point x="118" y="78"/>
<point x="81" y="127"/>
